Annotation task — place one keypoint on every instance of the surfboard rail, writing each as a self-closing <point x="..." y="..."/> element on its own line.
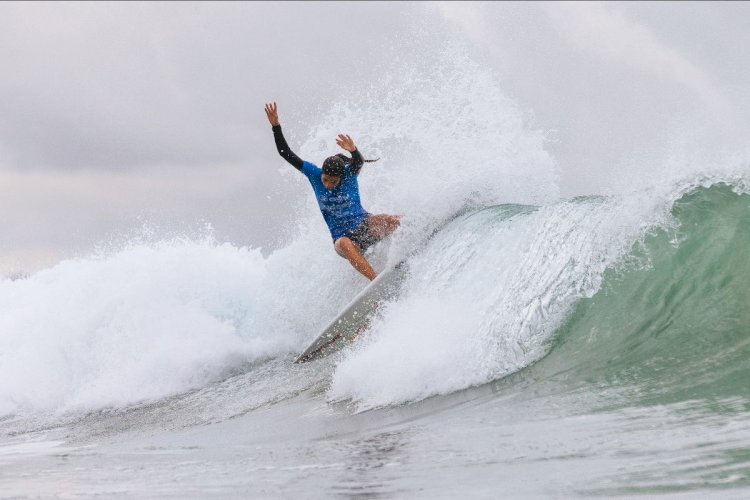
<point x="355" y="317"/>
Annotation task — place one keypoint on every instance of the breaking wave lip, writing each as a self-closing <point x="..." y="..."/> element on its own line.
<point x="509" y="286"/>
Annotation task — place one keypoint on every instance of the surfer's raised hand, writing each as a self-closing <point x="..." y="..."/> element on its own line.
<point x="272" y="114"/>
<point x="346" y="142"/>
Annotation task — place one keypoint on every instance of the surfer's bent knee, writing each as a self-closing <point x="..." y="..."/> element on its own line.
<point x="340" y="243"/>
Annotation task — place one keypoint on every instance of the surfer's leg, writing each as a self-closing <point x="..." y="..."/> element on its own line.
<point x="347" y="249"/>
<point x="383" y="225"/>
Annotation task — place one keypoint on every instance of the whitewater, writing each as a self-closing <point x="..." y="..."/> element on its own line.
<point x="539" y="345"/>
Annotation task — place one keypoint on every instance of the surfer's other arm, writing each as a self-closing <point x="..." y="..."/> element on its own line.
<point x="357" y="160"/>
<point x="281" y="146"/>
<point x="346" y="142"/>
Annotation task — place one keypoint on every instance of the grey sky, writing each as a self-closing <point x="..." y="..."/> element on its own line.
<point x="112" y="114"/>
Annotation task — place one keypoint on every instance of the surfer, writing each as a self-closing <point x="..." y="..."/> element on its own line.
<point x="352" y="228"/>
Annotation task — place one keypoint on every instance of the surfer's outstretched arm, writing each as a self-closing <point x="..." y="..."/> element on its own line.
<point x="278" y="136"/>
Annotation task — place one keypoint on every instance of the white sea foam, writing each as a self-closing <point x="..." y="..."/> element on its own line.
<point x="144" y="322"/>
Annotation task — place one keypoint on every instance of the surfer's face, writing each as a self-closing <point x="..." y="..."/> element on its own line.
<point x="330" y="181"/>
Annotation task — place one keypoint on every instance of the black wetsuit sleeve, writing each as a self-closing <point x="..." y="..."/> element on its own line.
<point x="357" y="162"/>
<point x="283" y="148"/>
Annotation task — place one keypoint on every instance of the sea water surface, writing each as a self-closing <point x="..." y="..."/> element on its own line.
<point x="540" y="346"/>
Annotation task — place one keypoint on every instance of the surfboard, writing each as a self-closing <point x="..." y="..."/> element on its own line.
<point x="356" y="316"/>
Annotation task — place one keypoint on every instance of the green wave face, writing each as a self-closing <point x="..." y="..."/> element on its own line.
<point x="674" y="323"/>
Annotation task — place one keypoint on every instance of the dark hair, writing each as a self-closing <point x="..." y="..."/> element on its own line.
<point x="334" y="165"/>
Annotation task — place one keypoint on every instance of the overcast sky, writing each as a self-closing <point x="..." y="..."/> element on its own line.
<point x="115" y="115"/>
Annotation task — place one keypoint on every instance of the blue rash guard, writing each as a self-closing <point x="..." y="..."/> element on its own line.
<point x="340" y="206"/>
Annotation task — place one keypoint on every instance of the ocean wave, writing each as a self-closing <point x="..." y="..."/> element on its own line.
<point x="613" y="287"/>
